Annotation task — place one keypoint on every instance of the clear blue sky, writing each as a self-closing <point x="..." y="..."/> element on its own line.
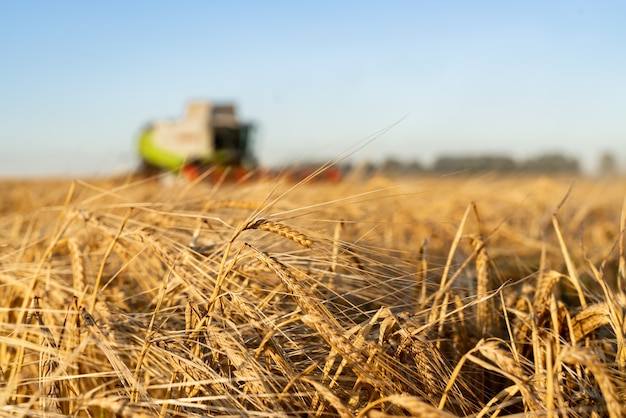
<point x="79" y="79"/>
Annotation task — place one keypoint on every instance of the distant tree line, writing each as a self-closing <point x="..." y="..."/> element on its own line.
<point x="547" y="163"/>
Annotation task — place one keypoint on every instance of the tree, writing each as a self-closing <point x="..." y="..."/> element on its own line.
<point x="607" y="164"/>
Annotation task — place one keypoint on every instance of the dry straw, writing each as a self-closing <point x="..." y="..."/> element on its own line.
<point x="364" y="314"/>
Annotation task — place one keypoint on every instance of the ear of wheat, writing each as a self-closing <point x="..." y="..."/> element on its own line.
<point x="380" y="298"/>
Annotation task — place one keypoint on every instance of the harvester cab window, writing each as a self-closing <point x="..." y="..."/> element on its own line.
<point x="226" y="139"/>
<point x="245" y="131"/>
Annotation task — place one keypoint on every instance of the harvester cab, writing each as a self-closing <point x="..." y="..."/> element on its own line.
<point x="208" y="136"/>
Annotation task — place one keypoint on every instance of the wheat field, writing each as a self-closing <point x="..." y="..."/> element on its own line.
<point x="448" y="296"/>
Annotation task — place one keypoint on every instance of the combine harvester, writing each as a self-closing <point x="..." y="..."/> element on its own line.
<point x="208" y="137"/>
<point x="210" y="141"/>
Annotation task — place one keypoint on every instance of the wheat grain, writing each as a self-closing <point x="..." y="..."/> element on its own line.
<point x="502" y="358"/>
<point x="590" y="319"/>
<point x="543" y="290"/>
<point x="280" y="229"/>
<point x="231" y="204"/>
<point x="330" y="397"/>
<point x="415" y="406"/>
<point x="586" y="357"/>
<point x="484" y="320"/>
<point x="78" y="268"/>
<point x="48" y="364"/>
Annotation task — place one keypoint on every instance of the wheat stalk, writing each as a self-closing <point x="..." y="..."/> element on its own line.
<point x="586" y="357"/>
<point x="124" y="374"/>
<point x="48" y="365"/>
<point x="383" y="339"/>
